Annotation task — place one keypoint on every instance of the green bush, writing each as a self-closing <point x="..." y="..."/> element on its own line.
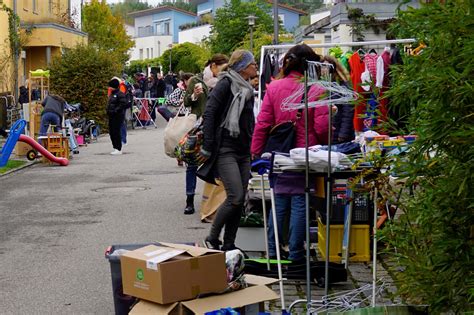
<point x="433" y="240"/>
<point x="81" y="75"/>
<point x="185" y="57"/>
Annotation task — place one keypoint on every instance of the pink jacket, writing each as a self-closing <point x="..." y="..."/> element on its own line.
<point x="271" y="115"/>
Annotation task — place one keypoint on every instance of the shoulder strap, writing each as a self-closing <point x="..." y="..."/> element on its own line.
<point x="298" y="114"/>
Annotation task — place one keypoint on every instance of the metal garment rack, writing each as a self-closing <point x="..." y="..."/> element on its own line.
<point x="283" y="48"/>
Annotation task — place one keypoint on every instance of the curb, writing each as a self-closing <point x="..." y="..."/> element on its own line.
<point x="28" y="164"/>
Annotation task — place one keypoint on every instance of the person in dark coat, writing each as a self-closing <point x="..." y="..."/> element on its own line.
<point x="343" y="121"/>
<point x="116" y="112"/>
<point x="228" y="124"/>
<point x="195" y="99"/>
<point x="52" y="113"/>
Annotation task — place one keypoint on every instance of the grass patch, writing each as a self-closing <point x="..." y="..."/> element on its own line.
<point x="11" y="164"/>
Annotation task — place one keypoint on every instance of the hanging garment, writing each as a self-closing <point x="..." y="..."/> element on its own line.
<point x="267" y="73"/>
<point x="344" y="60"/>
<point x="383" y="81"/>
<point x="357" y="67"/>
<point x="395" y="56"/>
<point x="370" y="61"/>
<point x="371" y="116"/>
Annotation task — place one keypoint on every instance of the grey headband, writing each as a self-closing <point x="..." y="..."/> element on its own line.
<point x="247" y="58"/>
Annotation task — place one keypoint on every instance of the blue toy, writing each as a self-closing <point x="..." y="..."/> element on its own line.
<point x="12" y="139"/>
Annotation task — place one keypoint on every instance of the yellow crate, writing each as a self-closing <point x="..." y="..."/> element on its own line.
<point x="359" y="242"/>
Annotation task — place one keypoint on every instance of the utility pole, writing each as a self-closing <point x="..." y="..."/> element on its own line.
<point x="276" y="22"/>
<point x="171" y="52"/>
<point x="16" y="53"/>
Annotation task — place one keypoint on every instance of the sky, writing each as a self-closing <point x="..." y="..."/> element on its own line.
<point x="152" y="2"/>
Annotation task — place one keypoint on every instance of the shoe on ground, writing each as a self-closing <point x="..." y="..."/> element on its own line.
<point x="212" y="244"/>
<point x="116" y="152"/>
<point x="124" y="144"/>
<point x="189" y="210"/>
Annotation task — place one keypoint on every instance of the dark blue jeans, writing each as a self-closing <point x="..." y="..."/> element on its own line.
<point x="49" y="118"/>
<point x="191" y="179"/>
<point x="165" y="112"/>
<point x="123" y="132"/>
<point x="296" y="205"/>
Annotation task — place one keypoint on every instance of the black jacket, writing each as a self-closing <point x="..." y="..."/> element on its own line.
<point x="215" y="136"/>
<point x="117" y="104"/>
<point x="343" y="122"/>
<point x="160" y="88"/>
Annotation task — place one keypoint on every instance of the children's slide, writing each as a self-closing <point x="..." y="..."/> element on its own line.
<point x="38" y="147"/>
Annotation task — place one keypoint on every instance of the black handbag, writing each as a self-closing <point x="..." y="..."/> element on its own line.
<point x="281" y="137"/>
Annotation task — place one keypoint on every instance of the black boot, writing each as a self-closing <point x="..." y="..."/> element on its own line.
<point x="189" y="204"/>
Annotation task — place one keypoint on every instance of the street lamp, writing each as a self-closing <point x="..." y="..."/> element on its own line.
<point x="251" y="19"/>
<point x="171" y="50"/>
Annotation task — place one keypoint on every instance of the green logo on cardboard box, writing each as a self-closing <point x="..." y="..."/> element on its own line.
<point x="140" y="274"/>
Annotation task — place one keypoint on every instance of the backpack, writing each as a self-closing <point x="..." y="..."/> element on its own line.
<point x="128" y="95"/>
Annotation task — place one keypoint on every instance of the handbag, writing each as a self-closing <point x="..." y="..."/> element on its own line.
<point x="189" y="146"/>
<point x="281" y="137"/>
<point x="176" y="129"/>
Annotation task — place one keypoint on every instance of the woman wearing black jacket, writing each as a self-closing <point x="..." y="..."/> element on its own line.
<point x="343" y="121"/>
<point x="228" y="123"/>
<point x="116" y="112"/>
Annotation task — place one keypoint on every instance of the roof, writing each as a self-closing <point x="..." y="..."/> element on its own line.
<point x="289" y="8"/>
<point x="160" y="9"/>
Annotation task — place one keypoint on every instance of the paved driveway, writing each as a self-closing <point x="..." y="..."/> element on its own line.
<point x="56" y="222"/>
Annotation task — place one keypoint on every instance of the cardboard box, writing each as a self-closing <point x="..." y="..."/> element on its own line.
<point x="172" y="272"/>
<point x="246" y="301"/>
<point x="22" y="148"/>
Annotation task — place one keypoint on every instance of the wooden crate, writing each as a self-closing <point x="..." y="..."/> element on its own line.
<point x="57" y="145"/>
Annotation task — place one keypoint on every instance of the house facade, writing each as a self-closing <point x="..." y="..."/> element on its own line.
<point x="289" y="16"/>
<point x="47" y="27"/>
<point x="332" y="25"/>
<point x="157" y="29"/>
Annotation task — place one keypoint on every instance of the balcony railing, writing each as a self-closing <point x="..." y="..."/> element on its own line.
<point x="148" y="31"/>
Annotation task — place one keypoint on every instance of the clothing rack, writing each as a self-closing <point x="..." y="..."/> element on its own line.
<point x="266" y="48"/>
<point x="328" y="191"/>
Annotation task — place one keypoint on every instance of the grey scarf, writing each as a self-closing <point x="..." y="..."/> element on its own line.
<point x="242" y="91"/>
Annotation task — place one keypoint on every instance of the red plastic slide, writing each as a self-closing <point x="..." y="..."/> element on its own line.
<point x="38" y="147"/>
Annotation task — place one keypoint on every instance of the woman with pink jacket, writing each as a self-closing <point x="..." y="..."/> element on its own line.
<point x="289" y="188"/>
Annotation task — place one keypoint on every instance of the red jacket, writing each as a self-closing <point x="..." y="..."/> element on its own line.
<point x="271" y="114"/>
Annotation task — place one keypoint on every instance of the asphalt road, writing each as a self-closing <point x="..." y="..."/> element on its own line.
<point x="56" y="222"/>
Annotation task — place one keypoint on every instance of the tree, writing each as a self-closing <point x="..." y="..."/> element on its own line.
<point x="305" y="5"/>
<point x="262" y="38"/>
<point x="432" y="241"/>
<point x="185" y="57"/>
<point x="231" y="25"/>
<point x="180" y="4"/>
<point x="122" y="9"/>
<point x="106" y="32"/>
<point x="81" y="75"/>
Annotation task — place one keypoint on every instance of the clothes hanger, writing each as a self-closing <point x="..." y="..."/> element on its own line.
<point x="372" y="51"/>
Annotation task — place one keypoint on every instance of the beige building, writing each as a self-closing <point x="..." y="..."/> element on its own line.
<point x="46" y="27"/>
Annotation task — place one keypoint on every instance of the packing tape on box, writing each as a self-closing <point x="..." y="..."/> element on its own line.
<point x="194" y="262"/>
<point x="195" y="290"/>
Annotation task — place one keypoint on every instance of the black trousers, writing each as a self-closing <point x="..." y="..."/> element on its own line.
<point x="115" y="123"/>
<point x="234" y="172"/>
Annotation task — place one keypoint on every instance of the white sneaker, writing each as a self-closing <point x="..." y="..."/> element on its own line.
<point x="124" y="144"/>
<point x="116" y="152"/>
